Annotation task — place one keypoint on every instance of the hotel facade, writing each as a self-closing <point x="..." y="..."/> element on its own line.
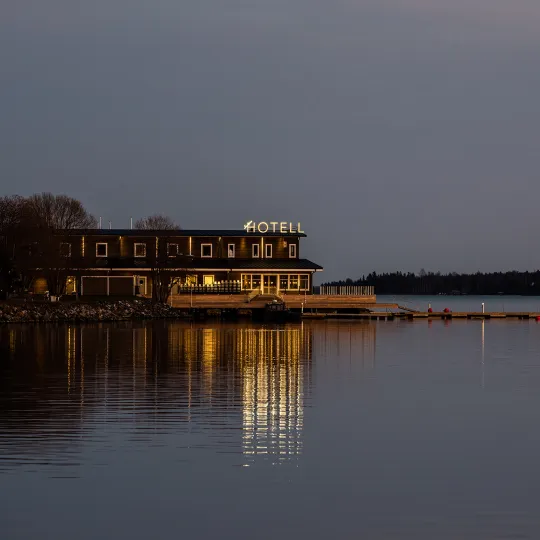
<point x="262" y="257"/>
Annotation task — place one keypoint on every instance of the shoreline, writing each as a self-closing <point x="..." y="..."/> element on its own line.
<point x="100" y="311"/>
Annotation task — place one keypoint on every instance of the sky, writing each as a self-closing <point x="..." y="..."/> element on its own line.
<point x="402" y="134"/>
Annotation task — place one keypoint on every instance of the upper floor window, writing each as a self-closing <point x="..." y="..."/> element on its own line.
<point x="292" y="251"/>
<point x="206" y="250"/>
<point x="268" y="251"/>
<point x="230" y="251"/>
<point x="65" y="249"/>
<point x="255" y="251"/>
<point x="101" y="249"/>
<point x="172" y="250"/>
<point x="140" y="250"/>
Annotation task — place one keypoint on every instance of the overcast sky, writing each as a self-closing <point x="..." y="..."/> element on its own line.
<point x="403" y="134"/>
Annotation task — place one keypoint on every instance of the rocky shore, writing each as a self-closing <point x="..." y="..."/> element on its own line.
<point x="121" y="310"/>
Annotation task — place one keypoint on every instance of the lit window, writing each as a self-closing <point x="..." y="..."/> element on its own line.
<point x="283" y="281"/>
<point x="65" y="249"/>
<point x="268" y="251"/>
<point x="304" y="282"/>
<point x="101" y="249"/>
<point x="255" y="251"/>
<point x="231" y="251"/>
<point x="293" y="281"/>
<point x="140" y="250"/>
<point x="208" y="280"/>
<point x="172" y="250"/>
<point x="292" y="251"/>
<point x="206" y="250"/>
<point x="256" y="281"/>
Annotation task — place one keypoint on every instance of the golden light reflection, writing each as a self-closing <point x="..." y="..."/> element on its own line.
<point x="245" y="385"/>
<point x="12" y="341"/>
<point x="274" y="372"/>
<point x="71" y="348"/>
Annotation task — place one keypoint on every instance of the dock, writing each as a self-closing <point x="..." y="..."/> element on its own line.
<point x="325" y="307"/>
<point x="388" y="315"/>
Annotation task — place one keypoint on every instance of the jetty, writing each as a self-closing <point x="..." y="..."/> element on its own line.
<point x="407" y="315"/>
<point x="323" y="306"/>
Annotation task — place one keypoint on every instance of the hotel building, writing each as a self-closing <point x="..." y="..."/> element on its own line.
<point x="122" y="262"/>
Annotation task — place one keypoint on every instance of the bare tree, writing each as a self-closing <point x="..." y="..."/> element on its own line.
<point x="52" y="216"/>
<point x="167" y="272"/>
<point x="59" y="212"/>
<point x="157" y="222"/>
<point x="11" y="225"/>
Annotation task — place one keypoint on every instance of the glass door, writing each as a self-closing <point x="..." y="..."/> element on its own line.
<point x="270" y="284"/>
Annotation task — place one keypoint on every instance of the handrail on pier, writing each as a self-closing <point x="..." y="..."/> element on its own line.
<point x="410" y="310"/>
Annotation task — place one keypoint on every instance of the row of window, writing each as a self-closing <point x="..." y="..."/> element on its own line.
<point x="172" y="250"/>
<point x="283" y="282"/>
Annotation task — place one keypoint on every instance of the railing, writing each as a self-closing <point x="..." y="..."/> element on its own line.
<point x="253" y="294"/>
<point x="223" y="287"/>
<point x="347" y="290"/>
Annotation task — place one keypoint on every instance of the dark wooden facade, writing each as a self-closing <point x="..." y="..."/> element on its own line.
<point x="123" y="262"/>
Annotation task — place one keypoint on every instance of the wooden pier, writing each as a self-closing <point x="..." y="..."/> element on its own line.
<point x="391" y="315"/>
<point x="326" y="307"/>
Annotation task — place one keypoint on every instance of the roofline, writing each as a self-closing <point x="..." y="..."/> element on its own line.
<point x="192" y="269"/>
<point x="175" y="232"/>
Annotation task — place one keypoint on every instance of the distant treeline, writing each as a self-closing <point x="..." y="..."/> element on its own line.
<point x="522" y="283"/>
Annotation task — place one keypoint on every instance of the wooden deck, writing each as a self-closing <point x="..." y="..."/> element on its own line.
<point x="292" y="301"/>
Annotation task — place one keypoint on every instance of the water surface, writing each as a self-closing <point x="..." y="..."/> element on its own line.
<point x="396" y="429"/>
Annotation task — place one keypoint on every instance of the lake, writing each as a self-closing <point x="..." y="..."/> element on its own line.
<point x="322" y="429"/>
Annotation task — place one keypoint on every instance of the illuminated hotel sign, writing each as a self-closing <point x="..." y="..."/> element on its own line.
<point x="263" y="227"/>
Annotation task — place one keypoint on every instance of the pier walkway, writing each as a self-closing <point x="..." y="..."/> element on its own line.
<point x="391" y="315"/>
<point x="328" y="307"/>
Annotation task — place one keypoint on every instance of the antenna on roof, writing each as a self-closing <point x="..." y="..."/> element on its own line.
<point x="131" y="219"/>
<point x="100" y="222"/>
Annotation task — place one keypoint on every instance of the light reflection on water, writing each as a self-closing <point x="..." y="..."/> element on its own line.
<point x="343" y="429"/>
<point x="64" y="386"/>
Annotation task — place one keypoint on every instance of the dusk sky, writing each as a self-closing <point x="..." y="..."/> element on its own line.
<point x="402" y="134"/>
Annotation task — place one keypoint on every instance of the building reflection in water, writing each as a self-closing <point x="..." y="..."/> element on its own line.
<point x="61" y="384"/>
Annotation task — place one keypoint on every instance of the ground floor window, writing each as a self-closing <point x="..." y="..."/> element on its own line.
<point x="208" y="280"/>
<point x="286" y="282"/>
<point x="256" y="281"/>
<point x="139" y="284"/>
<point x="71" y="285"/>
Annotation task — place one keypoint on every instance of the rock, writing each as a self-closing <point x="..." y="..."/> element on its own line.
<point x="136" y="309"/>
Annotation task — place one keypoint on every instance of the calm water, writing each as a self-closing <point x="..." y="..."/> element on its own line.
<point x="372" y="430"/>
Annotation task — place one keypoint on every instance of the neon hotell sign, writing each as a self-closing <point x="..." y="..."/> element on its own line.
<point x="283" y="227"/>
